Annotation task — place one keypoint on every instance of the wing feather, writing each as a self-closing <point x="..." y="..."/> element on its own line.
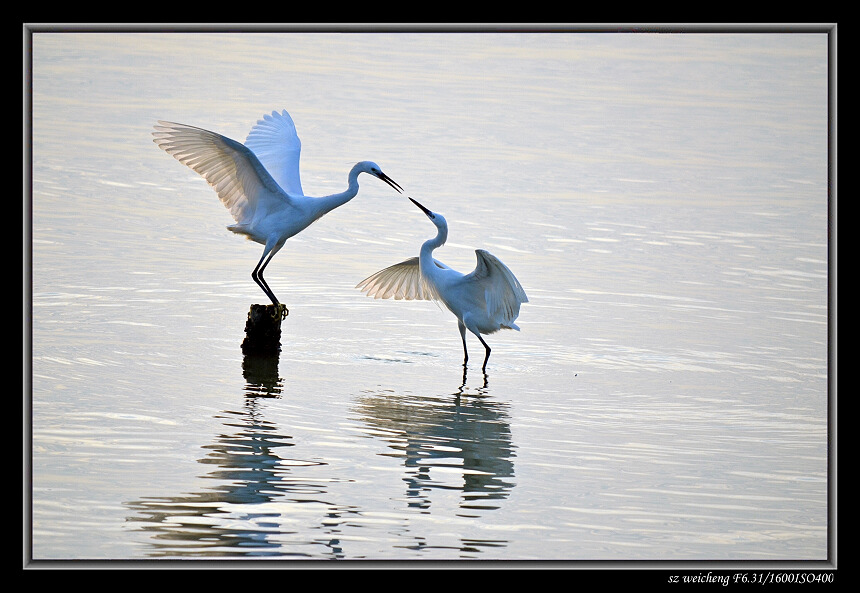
<point x="233" y="171"/>
<point x="275" y="142"/>
<point x="502" y="291"/>
<point x="402" y="281"/>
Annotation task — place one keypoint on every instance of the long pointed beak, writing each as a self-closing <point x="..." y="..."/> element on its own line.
<point x="426" y="211"/>
<point x="390" y="182"/>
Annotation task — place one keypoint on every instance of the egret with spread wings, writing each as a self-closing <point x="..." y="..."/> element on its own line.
<point x="258" y="181"/>
<point x="484" y="301"/>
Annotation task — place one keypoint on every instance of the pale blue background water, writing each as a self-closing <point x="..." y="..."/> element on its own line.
<point x="662" y="198"/>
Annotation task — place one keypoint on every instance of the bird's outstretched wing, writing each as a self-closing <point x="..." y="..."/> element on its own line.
<point x="275" y="142"/>
<point x="401" y="281"/>
<point x="502" y="291"/>
<point x="233" y="171"/>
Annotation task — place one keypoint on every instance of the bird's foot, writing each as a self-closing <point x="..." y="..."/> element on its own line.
<point x="277" y="311"/>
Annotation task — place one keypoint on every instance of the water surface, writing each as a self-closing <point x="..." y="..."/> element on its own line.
<point x="662" y="199"/>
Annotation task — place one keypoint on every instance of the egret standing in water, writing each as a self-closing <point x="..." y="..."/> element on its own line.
<point x="484" y="301"/>
<point x="259" y="181"/>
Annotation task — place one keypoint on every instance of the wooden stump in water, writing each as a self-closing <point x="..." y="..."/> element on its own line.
<point x="263" y="329"/>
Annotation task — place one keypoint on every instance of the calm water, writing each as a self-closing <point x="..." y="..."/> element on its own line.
<point x="662" y="198"/>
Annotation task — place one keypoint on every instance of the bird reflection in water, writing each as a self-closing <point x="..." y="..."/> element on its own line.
<point x="481" y="390"/>
<point x="459" y="443"/>
<point x="249" y="469"/>
<point x="462" y="434"/>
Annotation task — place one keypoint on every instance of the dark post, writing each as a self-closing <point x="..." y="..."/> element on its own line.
<point x="263" y="329"/>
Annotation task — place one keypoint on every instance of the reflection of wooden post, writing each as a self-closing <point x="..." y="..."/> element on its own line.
<point x="261" y="375"/>
<point x="263" y="329"/>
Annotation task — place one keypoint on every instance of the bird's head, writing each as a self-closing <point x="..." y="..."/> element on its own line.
<point x="374" y="169"/>
<point x="435" y="218"/>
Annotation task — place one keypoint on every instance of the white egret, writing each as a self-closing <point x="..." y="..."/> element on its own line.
<point x="484" y="301"/>
<point x="259" y="181"/>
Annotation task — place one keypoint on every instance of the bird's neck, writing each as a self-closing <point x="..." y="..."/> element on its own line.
<point x="426" y="256"/>
<point x="326" y="204"/>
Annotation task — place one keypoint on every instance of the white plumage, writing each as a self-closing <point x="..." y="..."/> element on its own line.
<point x="259" y="181"/>
<point x="484" y="301"/>
<point x="401" y="281"/>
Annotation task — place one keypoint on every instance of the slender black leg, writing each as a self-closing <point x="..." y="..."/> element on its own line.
<point x="271" y="293"/>
<point x="462" y="329"/>
<point x="257" y="275"/>
<point x="487" y="357"/>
